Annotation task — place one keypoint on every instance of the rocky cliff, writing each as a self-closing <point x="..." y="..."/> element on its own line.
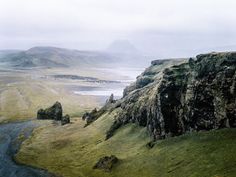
<point x="173" y="97"/>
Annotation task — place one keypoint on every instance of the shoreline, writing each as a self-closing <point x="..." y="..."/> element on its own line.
<point x="13" y="134"/>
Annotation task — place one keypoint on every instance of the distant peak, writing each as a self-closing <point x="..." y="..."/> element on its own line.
<point x="122" y="46"/>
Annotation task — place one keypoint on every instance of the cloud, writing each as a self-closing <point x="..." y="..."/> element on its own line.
<point x="93" y="24"/>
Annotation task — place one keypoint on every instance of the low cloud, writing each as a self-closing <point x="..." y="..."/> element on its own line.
<point x="164" y="28"/>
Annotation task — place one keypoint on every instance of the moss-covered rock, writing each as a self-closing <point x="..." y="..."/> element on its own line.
<point x="54" y="112"/>
<point x="65" y="119"/>
<point x="106" y="163"/>
<point x="198" y="94"/>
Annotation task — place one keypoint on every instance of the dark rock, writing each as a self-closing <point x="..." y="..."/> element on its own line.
<point x="90" y="117"/>
<point x="41" y="114"/>
<point x="65" y="119"/>
<point x="54" y="112"/>
<point x="159" y="62"/>
<point x="111" y="99"/>
<point x="106" y="163"/>
<point x="117" y="124"/>
<point x="111" y="104"/>
<point x="150" y="144"/>
<point x="190" y="96"/>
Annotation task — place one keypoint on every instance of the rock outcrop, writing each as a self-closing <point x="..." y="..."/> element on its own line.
<point x="106" y="163"/>
<point x="172" y="99"/>
<point x="65" y="119"/>
<point x="54" y="112"/>
<point x="90" y="117"/>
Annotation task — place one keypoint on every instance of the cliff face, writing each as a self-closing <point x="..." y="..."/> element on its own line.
<point x="174" y="97"/>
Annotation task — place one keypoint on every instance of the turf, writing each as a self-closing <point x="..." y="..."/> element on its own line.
<point x="72" y="150"/>
<point x="21" y="101"/>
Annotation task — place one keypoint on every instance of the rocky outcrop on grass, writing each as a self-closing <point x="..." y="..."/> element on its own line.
<point x="170" y="100"/>
<point x="54" y="112"/>
<point x="90" y="117"/>
<point x="106" y="163"/>
<point x="65" y="119"/>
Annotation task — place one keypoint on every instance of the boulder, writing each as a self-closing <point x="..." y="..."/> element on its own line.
<point x="90" y="117"/>
<point x="41" y="114"/>
<point x="106" y="163"/>
<point x="111" y="104"/>
<point x="54" y="112"/>
<point x="65" y="119"/>
<point x="111" y="99"/>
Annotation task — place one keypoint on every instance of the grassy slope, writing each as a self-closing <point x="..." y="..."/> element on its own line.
<point x="23" y="92"/>
<point x="72" y="151"/>
<point x="22" y="100"/>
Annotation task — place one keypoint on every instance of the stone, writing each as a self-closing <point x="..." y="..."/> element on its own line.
<point x="159" y="62"/>
<point x="65" y="119"/>
<point x="41" y="114"/>
<point x="54" y="112"/>
<point x="111" y="99"/>
<point x="106" y="163"/>
<point x="90" y="117"/>
<point x="117" y="124"/>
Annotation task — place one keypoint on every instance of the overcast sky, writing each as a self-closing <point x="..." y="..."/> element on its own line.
<point x="166" y="28"/>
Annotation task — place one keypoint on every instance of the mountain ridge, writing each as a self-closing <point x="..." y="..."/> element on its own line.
<point x="46" y="56"/>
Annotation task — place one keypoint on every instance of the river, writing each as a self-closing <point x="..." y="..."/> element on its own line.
<point x="9" y="145"/>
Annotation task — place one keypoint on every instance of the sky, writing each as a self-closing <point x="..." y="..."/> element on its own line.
<point x="163" y="28"/>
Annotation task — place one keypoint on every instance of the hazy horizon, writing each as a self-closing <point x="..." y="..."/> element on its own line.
<point x="159" y="28"/>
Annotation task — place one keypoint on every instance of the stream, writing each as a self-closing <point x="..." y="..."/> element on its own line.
<point x="9" y="145"/>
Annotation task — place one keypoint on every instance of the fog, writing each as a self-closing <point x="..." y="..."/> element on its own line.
<point x="162" y="28"/>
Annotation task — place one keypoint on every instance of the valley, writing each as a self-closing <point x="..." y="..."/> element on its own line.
<point x="124" y="126"/>
<point x="114" y="88"/>
<point x="24" y="91"/>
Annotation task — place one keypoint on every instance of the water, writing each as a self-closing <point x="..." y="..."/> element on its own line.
<point x="105" y="90"/>
<point x="9" y="144"/>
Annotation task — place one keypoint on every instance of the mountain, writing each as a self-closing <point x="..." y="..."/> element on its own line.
<point x="122" y="47"/>
<point x="56" y="57"/>
<point x="183" y="97"/>
<point x="173" y="97"/>
<point x="5" y="53"/>
<point x="127" y="53"/>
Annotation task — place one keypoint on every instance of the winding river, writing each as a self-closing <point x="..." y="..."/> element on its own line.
<point x="11" y="137"/>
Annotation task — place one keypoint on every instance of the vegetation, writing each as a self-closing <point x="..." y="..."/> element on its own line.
<point x="21" y="100"/>
<point x="76" y="150"/>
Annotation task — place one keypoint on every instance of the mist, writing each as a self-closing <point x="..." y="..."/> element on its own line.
<point x="171" y="28"/>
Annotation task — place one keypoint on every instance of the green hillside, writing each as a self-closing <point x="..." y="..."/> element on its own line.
<point x="71" y="151"/>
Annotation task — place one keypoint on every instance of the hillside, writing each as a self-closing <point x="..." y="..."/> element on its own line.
<point x="56" y="57"/>
<point x="194" y="95"/>
<point x="137" y="128"/>
<point x="72" y="151"/>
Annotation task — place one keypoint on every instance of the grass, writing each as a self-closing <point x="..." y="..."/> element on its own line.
<point x="23" y="92"/>
<point x="72" y="150"/>
<point x="22" y="100"/>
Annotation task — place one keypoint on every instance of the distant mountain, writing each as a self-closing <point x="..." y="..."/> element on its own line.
<point x="127" y="53"/>
<point x="122" y="47"/>
<point x="4" y="53"/>
<point x="56" y="57"/>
